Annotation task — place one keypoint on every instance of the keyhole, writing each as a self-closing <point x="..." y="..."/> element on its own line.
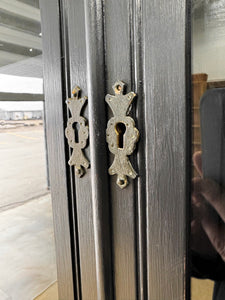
<point x="76" y="128"/>
<point x="120" y="131"/>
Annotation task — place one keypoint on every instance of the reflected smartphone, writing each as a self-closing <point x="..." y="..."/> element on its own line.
<point x="212" y="115"/>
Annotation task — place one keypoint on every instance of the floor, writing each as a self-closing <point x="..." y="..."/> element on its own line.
<point x="201" y="289"/>
<point x="50" y="294"/>
<point x="27" y="248"/>
<point x="22" y="164"/>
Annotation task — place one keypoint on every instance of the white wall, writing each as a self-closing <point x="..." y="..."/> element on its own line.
<point x="208" y="39"/>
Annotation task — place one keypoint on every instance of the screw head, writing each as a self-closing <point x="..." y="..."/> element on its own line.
<point x="79" y="171"/>
<point x="122" y="182"/>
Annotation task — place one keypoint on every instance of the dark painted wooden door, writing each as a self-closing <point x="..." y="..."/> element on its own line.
<point x="112" y="243"/>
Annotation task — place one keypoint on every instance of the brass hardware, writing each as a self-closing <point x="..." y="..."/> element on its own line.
<point x="121" y="134"/>
<point x="77" y="132"/>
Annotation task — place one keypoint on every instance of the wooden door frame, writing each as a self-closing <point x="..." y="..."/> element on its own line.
<point x="161" y="76"/>
<point x="167" y="90"/>
<point x="58" y="169"/>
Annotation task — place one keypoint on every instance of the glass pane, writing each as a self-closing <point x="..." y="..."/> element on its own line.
<point x="208" y="190"/>
<point x="27" y="249"/>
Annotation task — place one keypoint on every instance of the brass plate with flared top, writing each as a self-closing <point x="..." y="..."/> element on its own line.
<point x="121" y="134"/>
<point x="77" y="132"/>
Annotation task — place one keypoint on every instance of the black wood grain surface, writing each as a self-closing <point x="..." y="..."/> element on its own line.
<point x="126" y="244"/>
<point x="94" y="25"/>
<point x="119" y="66"/>
<point x="77" y="75"/>
<point x="56" y="145"/>
<point x="164" y="24"/>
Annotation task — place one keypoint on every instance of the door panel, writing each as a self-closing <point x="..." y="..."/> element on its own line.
<point x="125" y="244"/>
<point x="59" y="176"/>
<point x="166" y="145"/>
<point x="208" y="79"/>
<point x="118" y="61"/>
<point x="94" y="25"/>
<point x="76" y="68"/>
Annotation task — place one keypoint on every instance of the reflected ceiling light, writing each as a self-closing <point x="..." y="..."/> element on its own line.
<point x="30" y="49"/>
<point x="40" y="34"/>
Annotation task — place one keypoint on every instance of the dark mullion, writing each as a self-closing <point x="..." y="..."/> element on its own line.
<point x="140" y="186"/>
<point x="54" y="95"/>
<point x="98" y="151"/>
<point x="70" y="169"/>
<point x="188" y="147"/>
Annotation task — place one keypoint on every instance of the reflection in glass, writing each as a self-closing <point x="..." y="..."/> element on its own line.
<point x="208" y="193"/>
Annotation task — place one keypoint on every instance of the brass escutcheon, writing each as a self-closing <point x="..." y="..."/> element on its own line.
<point x="121" y="134"/>
<point x="77" y="137"/>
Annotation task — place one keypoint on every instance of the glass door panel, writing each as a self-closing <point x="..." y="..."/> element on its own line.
<point x="27" y="246"/>
<point x="208" y="100"/>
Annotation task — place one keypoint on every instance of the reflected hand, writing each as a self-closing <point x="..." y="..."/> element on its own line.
<point x="208" y="222"/>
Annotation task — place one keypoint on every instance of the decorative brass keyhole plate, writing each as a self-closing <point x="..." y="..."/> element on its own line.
<point x="77" y="139"/>
<point x="121" y="134"/>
